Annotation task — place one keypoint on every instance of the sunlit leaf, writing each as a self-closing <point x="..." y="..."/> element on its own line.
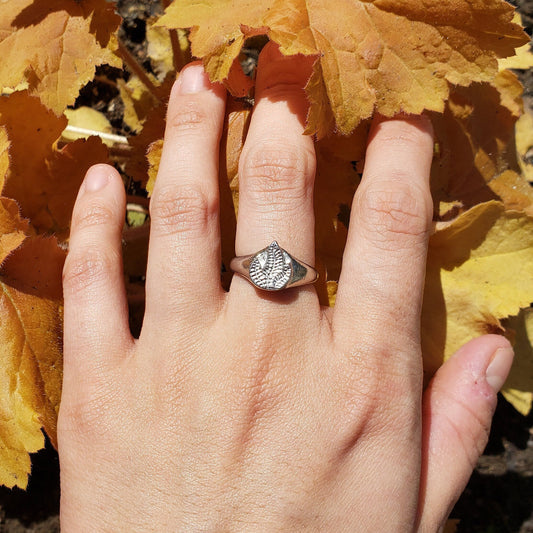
<point x="83" y="120"/>
<point x="55" y="46"/>
<point x="30" y="353"/>
<point x="384" y="56"/>
<point x="523" y="58"/>
<point x="159" y="43"/>
<point x="479" y="272"/>
<point x="515" y="191"/>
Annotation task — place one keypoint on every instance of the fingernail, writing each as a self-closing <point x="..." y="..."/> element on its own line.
<point x="499" y="368"/>
<point x="96" y="179"/>
<point x="193" y="79"/>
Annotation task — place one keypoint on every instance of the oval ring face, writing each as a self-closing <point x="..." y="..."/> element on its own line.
<point x="271" y="269"/>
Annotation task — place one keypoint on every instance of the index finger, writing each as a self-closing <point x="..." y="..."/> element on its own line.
<point x="383" y="271"/>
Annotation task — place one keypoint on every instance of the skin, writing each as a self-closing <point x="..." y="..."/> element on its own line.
<point x="252" y="411"/>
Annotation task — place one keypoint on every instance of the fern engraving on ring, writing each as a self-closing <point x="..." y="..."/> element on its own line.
<point x="271" y="268"/>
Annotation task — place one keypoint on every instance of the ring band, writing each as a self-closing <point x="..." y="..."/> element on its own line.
<point x="273" y="269"/>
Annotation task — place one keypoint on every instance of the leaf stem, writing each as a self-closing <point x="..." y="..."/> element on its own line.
<point x="82" y="132"/>
<point x="178" y="57"/>
<point x="137" y="69"/>
<point x="140" y="201"/>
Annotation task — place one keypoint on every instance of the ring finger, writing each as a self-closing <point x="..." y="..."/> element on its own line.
<point x="277" y="165"/>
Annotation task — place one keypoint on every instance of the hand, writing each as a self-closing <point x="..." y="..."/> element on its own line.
<point x="252" y="411"/>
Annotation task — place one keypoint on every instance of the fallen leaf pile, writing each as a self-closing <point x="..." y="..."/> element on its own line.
<point x="444" y="57"/>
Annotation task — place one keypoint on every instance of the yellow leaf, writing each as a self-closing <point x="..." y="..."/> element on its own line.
<point x="478" y="273"/>
<point x="86" y="118"/>
<point x="514" y="191"/>
<point x="520" y="400"/>
<point x="332" y="292"/>
<point x="30" y="354"/>
<point x="320" y="118"/>
<point x="519" y="384"/>
<point x="396" y="55"/>
<point x="13" y="230"/>
<point x="138" y="102"/>
<point x="510" y="90"/>
<point x="523" y="58"/>
<point x="55" y="46"/>
<point x="159" y="50"/>
<point x="153" y="155"/>
<point x="220" y="28"/>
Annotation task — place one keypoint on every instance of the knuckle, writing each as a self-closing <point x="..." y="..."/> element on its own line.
<point x="394" y="209"/>
<point x="397" y="136"/>
<point x="278" y="173"/>
<point x="189" y="116"/>
<point x="95" y="214"/>
<point x="174" y="210"/>
<point x="86" y="267"/>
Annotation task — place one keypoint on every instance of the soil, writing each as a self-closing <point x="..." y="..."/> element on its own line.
<point x="499" y="496"/>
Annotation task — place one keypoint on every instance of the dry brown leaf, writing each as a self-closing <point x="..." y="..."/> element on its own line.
<point x="45" y="185"/>
<point x="65" y="172"/>
<point x="55" y="46"/>
<point x="336" y="181"/>
<point x="395" y="55"/>
<point x="30" y="353"/>
<point x="524" y="144"/>
<point x="13" y="229"/>
<point x="478" y="273"/>
<point x="515" y="192"/>
<point x="451" y="526"/>
<point x="154" y="128"/>
<point x="4" y="157"/>
<point x="236" y="124"/>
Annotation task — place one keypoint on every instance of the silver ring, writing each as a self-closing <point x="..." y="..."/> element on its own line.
<point x="273" y="269"/>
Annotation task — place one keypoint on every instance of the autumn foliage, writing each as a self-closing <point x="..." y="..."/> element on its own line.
<point x="382" y="56"/>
